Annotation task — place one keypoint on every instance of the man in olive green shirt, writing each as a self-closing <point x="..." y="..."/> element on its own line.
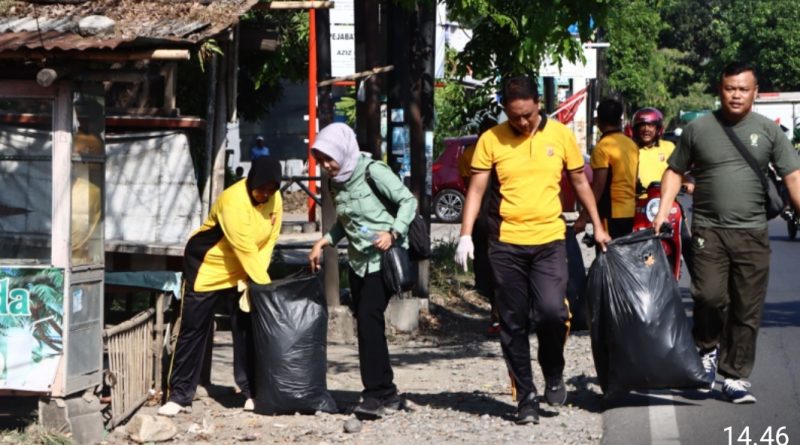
<point x="730" y="242"/>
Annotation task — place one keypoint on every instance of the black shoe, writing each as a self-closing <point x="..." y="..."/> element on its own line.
<point x="369" y="409"/>
<point x="394" y="403"/>
<point x="528" y="410"/>
<point x="555" y="392"/>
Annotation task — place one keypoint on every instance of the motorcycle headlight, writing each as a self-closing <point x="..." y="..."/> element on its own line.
<point x="652" y="209"/>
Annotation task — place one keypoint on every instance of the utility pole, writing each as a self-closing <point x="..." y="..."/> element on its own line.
<point x="410" y="104"/>
<point x="369" y="45"/>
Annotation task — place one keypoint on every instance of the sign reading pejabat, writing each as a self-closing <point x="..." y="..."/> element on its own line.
<point x="31" y="315"/>
<point x="343" y="39"/>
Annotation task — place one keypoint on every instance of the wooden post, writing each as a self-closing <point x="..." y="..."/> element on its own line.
<point x="330" y="258"/>
<point x="158" y="346"/>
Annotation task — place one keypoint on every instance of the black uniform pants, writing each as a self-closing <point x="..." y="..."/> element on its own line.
<point x="370" y="299"/>
<point x="243" y="348"/>
<point x="197" y="316"/>
<point x="729" y="286"/>
<point x="531" y="277"/>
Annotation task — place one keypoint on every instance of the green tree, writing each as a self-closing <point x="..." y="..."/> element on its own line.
<point x="647" y="73"/>
<point x="515" y="36"/>
<point x="766" y="34"/>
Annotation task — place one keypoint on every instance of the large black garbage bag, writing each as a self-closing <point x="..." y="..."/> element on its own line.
<point x="640" y="333"/>
<point x="290" y="328"/>
<point x="576" y="285"/>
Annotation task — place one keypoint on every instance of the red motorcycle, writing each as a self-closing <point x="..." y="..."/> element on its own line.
<point x="646" y="211"/>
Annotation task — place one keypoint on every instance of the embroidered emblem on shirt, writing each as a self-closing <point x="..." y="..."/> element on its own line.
<point x="661" y="157"/>
<point x="700" y="243"/>
<point x="754" y="140"/>
<point x="549" y="151"/>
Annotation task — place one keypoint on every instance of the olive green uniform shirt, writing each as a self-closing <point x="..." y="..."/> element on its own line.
<point x="728" y="193"/>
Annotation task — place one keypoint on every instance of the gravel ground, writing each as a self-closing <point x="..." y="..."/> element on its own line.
<point x="453" y="377"/>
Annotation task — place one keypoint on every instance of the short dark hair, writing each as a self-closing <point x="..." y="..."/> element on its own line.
<point x="519" y="87"/>
<point x="736" y="68"/>
<point x="609" y="111"/>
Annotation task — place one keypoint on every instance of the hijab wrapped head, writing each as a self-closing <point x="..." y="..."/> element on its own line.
<point x="338" y="141"/>
<point x="263" y="170"/>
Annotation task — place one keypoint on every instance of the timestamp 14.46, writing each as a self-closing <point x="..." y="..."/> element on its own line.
<point x="778" y="436"/>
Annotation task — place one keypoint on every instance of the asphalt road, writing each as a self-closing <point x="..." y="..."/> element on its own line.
<point x="689" y="417"/>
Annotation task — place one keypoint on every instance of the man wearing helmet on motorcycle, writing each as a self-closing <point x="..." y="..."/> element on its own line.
<point x="648" y="129"/>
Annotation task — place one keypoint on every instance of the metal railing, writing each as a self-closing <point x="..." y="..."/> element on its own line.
<point x="289" y="180"/>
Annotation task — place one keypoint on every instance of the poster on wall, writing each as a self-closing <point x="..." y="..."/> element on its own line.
<point x="31" y="315"/>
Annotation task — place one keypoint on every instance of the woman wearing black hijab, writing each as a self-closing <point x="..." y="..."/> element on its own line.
<point x="234" y="244"/>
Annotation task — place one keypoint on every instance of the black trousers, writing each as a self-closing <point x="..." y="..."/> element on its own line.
<point x="370" y="299"/>
<point x="531" y="279"/>
<point x="617" y="227"/>
<point x="243" y="348"/>
<point x="197" y="316"/>
<point x="484" y="278"/>
<point x="729" y="286"/>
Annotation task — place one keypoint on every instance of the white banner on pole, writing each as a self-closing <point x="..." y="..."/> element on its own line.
<point x="343" y="41"/>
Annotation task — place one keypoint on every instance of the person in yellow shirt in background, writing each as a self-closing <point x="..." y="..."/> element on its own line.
<point x="484" y="281"/>
<point x="614" y="163"/>
<point x="648" y="129"/>
<point x="234" y="244"/>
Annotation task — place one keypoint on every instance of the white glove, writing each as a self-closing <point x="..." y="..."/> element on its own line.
<point x="465" y="250"/>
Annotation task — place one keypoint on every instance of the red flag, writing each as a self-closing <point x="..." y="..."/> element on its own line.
<point x="566" y="110"/>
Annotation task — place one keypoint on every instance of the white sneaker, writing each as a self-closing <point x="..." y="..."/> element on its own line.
<point x="738" y="391"/>
<point x="171" y="409"/>
<point x="249" y="405"/>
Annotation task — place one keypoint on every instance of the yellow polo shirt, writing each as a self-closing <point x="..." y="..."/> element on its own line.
<point x="620" y="155"/>
<point x="524" y="206"/>
<point x="653" y="162"/>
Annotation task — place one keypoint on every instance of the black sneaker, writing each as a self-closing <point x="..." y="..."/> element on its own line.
<point x="369" y="409"/>
<point x="554" y="391"/>
<point x="394" y="403"/>
<point x="528" y="411"/>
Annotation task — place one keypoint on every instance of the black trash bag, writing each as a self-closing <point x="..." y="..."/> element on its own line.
<point x="576" y="285"/>
<point x="639" y="330"/>
<point x="290" y="328"/>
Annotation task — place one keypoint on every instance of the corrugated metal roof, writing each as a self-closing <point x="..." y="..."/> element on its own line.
<point x="137" y="23"/>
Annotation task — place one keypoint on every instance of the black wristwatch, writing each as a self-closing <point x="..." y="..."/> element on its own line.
<point x="395" y="234"/>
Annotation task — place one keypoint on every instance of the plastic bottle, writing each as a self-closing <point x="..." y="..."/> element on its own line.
<point x="367" y="234"/>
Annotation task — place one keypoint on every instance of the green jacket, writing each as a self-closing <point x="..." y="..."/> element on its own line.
<point x="357" y="206"/>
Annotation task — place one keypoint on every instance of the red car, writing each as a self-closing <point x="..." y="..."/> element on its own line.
<point x="449" y="189"/>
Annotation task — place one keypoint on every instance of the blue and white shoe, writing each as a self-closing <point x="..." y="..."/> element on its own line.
<point x="709" y="360"/>
<point x="738" y="391"/>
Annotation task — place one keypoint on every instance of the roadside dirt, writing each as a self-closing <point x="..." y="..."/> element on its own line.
<point x="452" y="375"/>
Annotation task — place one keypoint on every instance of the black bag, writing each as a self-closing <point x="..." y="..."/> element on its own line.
<point x="419" y="240"/>
<point x="773" y="201"/>
<point x="290" y="328"/>
<point x="639" y="330"/>
<point x="396" y="270"/>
